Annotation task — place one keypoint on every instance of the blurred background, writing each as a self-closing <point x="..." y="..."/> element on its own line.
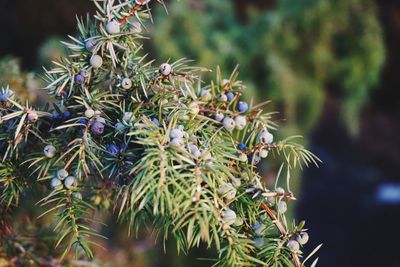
<point x="331" y="68"/>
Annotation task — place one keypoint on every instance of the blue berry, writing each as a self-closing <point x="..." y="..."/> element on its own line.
<point x="66" y="114"/>
<point x="241" y="146"/>
<point x="156" y="122"/>
<point x="82" y="121"/>
<point x="242" y="106"/>
<point x="79" y="79"/>
<point x="113" y="149"/>
<point x="97" y="128"/>
<point x="230" y="96"/>
<point x="3" y="97"/>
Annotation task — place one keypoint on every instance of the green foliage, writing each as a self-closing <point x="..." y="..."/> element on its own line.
<point x="145" y="142"/>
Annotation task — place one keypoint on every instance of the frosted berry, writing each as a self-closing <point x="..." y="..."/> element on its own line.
<point x="101" y="120"/>
<point x="254" y="159"/>
<point x="195" y="151"/>
<point x="113" y="149"/>
<point x="280" y="191"/>
<point x="165" y="69"/>
<point x="119" y="127"/>
<point x="156" y="122"/>
<point x="259" y="242"/>
<point x="79" y="79"/>
<point x="205" y="95"/>
<point x="176" y="133"/>
<point x="282" y="206"/>
<point x="78" y="195"/>
<point x="228" y="123"/>
<point x="219" y="116"/>
<point x="89" y="113"/>
<point x="113" y="27"/>
<point x="223" y="98"/>
<point x="302" y="238"/>
<point x="62" y="174"/>
<point x="230" y="96"/>
<point x="32" y="116"/>
<point x="240" y="122"/>
<point x="97" y="128"/>
<point x="194" y="108"/>
<point x="96" y="61"/>
<point x="229" y="217"/>
<point x="90" y="45"/>
<point x="242" y="157"/>
<point x="263" y="153"/>
<point x="56" y="184"/>
<point x="177" y="142"/>
<point x="266" y="137"/>
<point x="126" y="83"/>
<point x="70" y="182"/>
<point x="258" y="228"/>
<point x="293" y="246"/>
<point x="227" y="191"/>
<point x="84" y="73"/>
<point x="49" y="151"/>
<point x="242" y="106"/>
<point x="128" y="116"/>
<point x="236" y="182"/>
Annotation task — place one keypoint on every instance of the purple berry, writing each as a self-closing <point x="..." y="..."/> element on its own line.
<point x="156" y="122"/>
<point x="113" y="149"/>
<point x="97" y="128"/>
<point x="82" y="121"/>
<point x="242" y="106"/>
<point x="3" y="97"/>
<point x="230" y="96"/>
<point x="242" y="146"/>
<point x="79" y="79"/>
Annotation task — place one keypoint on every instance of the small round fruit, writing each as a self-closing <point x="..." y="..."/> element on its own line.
<point x="156" y="122"/>
<point x="126" y="83"/>
<point x="97" y="128"/>
<point x="89" y="113"/>
<point x="113" y="149"/>
<point x="90" y="45"/>
<point x="113" y="27"/>
<point x="238" y="222"/>
<point x="101" y="120"/>
<point x="49" y="151"/>
<point x="194" y="108"/>
<point x="32" y="116"/>
<point x="219" y="116"/>
<point x="263" y="153"/>
<point x="56" y="184"/>
<point x="282" y="206"/>
<point x="230" y="96"/>
<point x="176" y="133"/>
<point x="79" y="79"/>
<point x="84" y="73"/>
<point x="293" y="246"/>
<point x="302" y="238"/>
<point x="177" y="142"/>
<point x="205" y="95"/>
<point x="62" y="174"/>
<point x="223" y="98"/>
<point x="241" y="146"/>
<point x="228" y="123"/>
<point x="266" y="137"/>
<point x="96" y="61"/>
<point x="78" y="195"/>
<point x="227" y="191"/>
<point x="195" y="151"/>
<point x="3" y="97"/>
<point x="229" y="217"/>
<point x="240" y="122"/>
<point x="165" y="69"/>
<point x="70" y="182"/>
<point x="280" y="191"/>
<point x="242" y="106"/>
<point x="242" y="157"/>
<point x="119" y="127"/>
<point x="259" y="228"/>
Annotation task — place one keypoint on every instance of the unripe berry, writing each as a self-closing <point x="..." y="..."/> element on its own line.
<point x="96" y="61"/>
<point x="227" y="191"/>
<point x="113" y="27"/>
<point x="97" y="128"/>
<point x="263" y="153"/>
<point x="223" y="98"/>
<point x="56" y="184"/>
<point x="293" y="246"/>
<point x="32" y="116"/>
<point x="302" y="238"/>
<point x="266" y="137"/>
<point x="70" y="182"/>
<point x="177" y="142"/>
<point x="242" y="106"/>
<point x="90" y="45"/>
<point x="219" y="116"/>
<point x="165" y="69"/>
<point x="241" y="122"/>
<point x="205" y="95"/>
<point x="84" y="73"/>
<point x="79" y="79"/>
<point x="126" y="83"/>
<point x="229" y="217"/>
<point x="282" y="206"/>
<point x="62" y="174"/>
<point x="194" y="108"/>
<point x="242" y="157"/>
<point x="228" y="123"/>
<point x="230" y="96"/>
<point x="259" y="242"/>
<point x="49" y="151"/>
<point x="89" y="113"/>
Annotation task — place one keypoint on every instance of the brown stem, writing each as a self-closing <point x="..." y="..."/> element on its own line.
<point x="281" y="229"/>
<point x="131" y="12"/>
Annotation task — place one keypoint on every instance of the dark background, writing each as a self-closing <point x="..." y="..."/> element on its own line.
<point x="338" y="199"/>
